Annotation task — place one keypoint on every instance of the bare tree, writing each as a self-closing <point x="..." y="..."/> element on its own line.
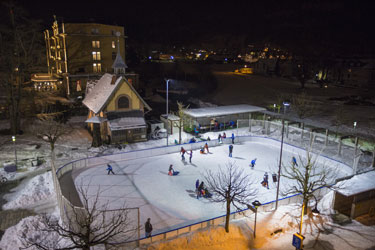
<point x="230" y="186"/>
<point x="83" y="227"/>
<point x="306" y="176"/>
<point x="303" y="105"/>
<point x="50" y="130"/>
<point x="181" y="114"/>
<point x="21" y="54"/>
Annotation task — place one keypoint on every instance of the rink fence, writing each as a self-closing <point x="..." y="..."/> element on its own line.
<point x="75" y="167"/>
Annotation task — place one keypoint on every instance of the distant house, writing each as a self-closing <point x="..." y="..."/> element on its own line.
<point x="116" y="111"/>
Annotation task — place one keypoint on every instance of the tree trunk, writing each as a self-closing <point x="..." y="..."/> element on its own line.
<point x="227" y="216"/>
<point x="305" y="201"/>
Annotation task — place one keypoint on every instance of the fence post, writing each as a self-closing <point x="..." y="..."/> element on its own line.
<point x="264" y="120"/>
<point x="287" y="129"/>
<point x="340" y="146"/>
<point x="326" y="142"/>
<point x="356" y="146"/>
<point x="249" y="122"/>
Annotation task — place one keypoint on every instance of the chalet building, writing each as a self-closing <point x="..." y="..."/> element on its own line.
<point x="116" y="110"/>
<point x="78" y="52"/>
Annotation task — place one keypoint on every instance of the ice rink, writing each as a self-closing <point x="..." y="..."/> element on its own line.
<point x="170" y="201"/>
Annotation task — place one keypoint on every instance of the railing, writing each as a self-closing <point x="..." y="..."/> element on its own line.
<point x="66" y="208"/>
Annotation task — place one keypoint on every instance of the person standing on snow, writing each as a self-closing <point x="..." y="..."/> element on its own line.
<point x="148" y="228"/>
<point x="230" y="150"/>
<point x="232" y="138"/>
<point x="182" y="152"/>
<point x="109" y="169"/>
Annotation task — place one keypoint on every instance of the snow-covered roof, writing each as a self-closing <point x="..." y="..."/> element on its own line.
<point x="126" y="123"/>
<point x="96" y="119"/>
<point x="357" y="184"/>
<point x="119" y="62"/>
<point x="98" y="95"/>
<point x="222" y="110"/>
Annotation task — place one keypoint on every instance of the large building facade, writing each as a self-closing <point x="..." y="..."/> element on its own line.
<point x="77" y="52"/>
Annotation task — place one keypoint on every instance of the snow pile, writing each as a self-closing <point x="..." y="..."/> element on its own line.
<point x="13" y="236"/>
<point x="37" y="189"/>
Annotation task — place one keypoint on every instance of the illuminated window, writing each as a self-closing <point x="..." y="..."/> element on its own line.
<point x="96" y="56"/>
<point x="95" y="44"/>
<point x="97" y="67"/>
<point x="113" y="45"/>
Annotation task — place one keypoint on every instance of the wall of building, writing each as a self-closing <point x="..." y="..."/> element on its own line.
<point x="80" y="47"/>
<point x="135" y="102"/>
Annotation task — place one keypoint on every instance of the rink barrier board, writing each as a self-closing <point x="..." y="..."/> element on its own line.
<point x="100" y="160"/>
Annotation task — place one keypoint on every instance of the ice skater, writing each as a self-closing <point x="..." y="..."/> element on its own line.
<point x="190" y="155"/>
<point x="294" y="161"/>
<point x="224" y="135"/>
<point x="171" y="171"/>
<point x="196" y="188"/>
<point x="182" y="152"/>
<point x="230" y="150"/>
<point x="265" y="181"/>
<point x="200" y="189"/>
<point x="201" y="150"/>
<point x="109" y="169"/>
<point x="206" y="147"/>
<point x="219" y="138"/>
<point x="252" y="163"/>
<point x="232" y="138"/>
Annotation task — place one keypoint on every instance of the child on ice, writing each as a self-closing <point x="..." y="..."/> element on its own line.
<point x="182" y="152"/>
<point x="294" y="161"/>
<point x="232" y="138"/>
<point x="109" y="169"/>
<point x="252" y="164"/>
<point x="265" y="180"/>
<point x="206" y="147"/>
<point x="230" y="150"/>
<point x="191" y="155"/>
<point x="171" y="171"/>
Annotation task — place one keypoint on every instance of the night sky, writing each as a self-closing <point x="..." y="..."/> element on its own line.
<point x="338" y="24"/>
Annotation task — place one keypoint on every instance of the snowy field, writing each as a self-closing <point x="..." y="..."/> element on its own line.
<point x="170" y="201"/>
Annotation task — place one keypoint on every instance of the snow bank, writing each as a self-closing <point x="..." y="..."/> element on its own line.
<point x="36" y="189"/>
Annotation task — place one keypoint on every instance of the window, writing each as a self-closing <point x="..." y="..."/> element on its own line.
<point x="113" y="55"/>
<point x="95" y="44"/>
<point x="97" y="67"/>
<point x="113" y="44"/>
<point x="96" y="56"/>
<point x="123" y="103"/>
<point x="95" y="31"/>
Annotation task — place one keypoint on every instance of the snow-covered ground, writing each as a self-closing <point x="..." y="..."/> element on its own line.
<point x="170" y="201"/>
<point x="321" y="232"/>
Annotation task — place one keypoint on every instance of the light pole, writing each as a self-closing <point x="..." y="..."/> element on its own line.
<point x="285" y="104"/>
<point x="256" y="204"/>
<point x="167" y="111"/>
<point x="15" y="149"/>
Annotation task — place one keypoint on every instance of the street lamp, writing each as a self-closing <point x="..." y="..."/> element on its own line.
<point x="15" y="149"/>
<point x="355" y="125"/>
<point x="167" y="80"/>
<point x="255" y="204"/>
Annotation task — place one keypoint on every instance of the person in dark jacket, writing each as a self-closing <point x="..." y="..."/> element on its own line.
<point x="109" y="169"/>
<point x="148" y="227"/>
<point x="230" y="150"/>
<point x="232" y="138"/>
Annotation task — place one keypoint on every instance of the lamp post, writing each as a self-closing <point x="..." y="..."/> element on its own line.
<point x="255" y="204"/>
<point x="15" y="149"/>
<point x="167" y="110"/>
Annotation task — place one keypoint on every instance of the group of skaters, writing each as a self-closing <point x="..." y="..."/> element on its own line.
<point x="201" y="190"/>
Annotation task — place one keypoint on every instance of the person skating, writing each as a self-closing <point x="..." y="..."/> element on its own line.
<point x="265" y="180"/>
<point x="200" y="189"/>
<point x="224" y="135"/>
<point x="232" y="138"/>
<point x="201" y="150"/>
<point x="109" y="169"/>
<point x="148" y="228"/>
<point x="252" y="164"/>
<point x="196" y="188"/>
<point x="219" y="138"/>
<point x="230" y="150"/>
<point x="294" y="161"/>
<point x="206" y="147"/>
<point x="190" y="155"/>
<point x="182" y="152"/>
